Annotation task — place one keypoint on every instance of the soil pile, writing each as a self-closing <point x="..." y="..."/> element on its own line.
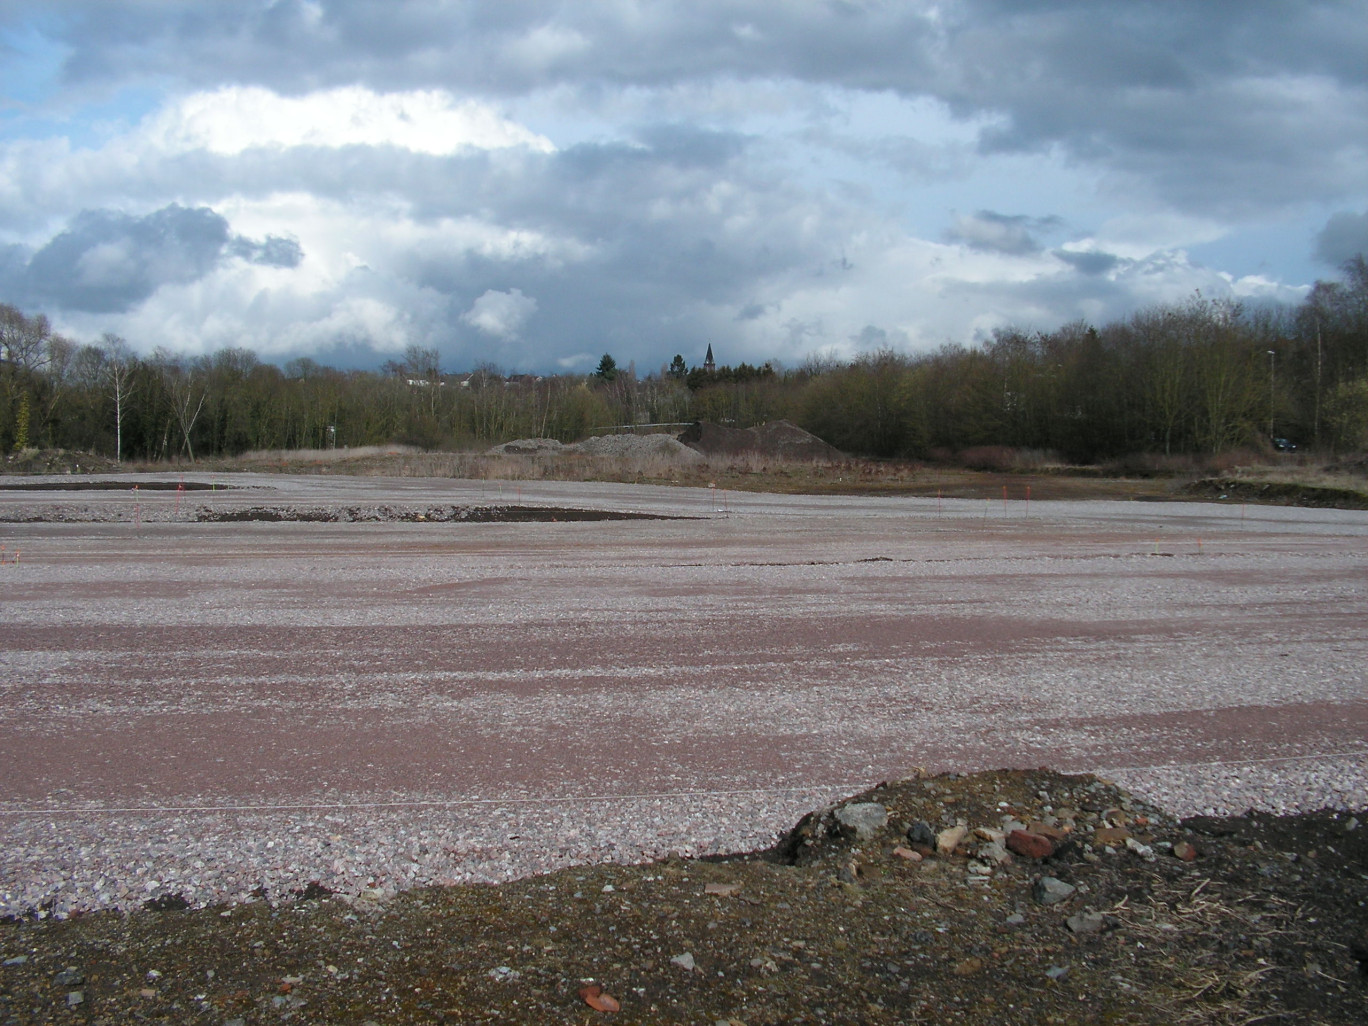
<point x="776" y="439"/>
<point x="1276" y="493"/>
<point x="653" y="448"/>
<point x="1006" y="897"/>
<point x="57" y="461"/>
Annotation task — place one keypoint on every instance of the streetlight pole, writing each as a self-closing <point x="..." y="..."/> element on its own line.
<point x="1272" y="359"/>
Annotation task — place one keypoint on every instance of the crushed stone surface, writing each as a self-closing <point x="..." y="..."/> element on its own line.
<point x="211" y="710"/>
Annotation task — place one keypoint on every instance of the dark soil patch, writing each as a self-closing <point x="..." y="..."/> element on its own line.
<point x="433" y="514"/>
<point x="1268" y="922"/>
<point x="111" y="486"/>
<point x="1276" y="493"/>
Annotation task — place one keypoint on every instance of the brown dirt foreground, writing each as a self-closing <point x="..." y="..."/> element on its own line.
<point x="1267" y="923"/>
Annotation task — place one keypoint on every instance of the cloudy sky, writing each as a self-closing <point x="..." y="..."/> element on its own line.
<point x="531" y="184"/>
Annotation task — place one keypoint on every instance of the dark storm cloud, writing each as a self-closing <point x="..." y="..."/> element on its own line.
<point x="1344" y="237"/>
<point x="108" y="262"/>
<point x="989" y="231"/>
<point x="1088" y="262"/>
<point x="1213" y="105"/>
<point x="272" y="251"/>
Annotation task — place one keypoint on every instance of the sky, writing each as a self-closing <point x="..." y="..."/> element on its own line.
<point x="532" y="184"/>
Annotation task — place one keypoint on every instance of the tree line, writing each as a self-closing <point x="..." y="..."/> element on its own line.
<point x="1203" y="376"/>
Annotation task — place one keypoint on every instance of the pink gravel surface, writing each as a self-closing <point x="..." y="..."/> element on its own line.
<point x="205" y="709"/>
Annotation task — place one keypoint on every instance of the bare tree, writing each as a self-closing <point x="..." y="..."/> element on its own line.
<point x="118" y="365"/>
<point x="187" y="390"/>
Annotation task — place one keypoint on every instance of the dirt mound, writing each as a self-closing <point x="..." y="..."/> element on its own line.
<point x="639" y="447"/>
<point x="903" y="904"/>
<point x="57" y="461"/>
<point x="528" y="447"/>
<point x="777" y="439"/>
<point x="1277" y="493"/>
<point x="652" y="448"/>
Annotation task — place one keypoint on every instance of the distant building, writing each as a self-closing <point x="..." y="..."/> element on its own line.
<point x="708" y="364"/>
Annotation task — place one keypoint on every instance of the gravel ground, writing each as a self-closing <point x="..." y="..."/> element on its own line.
<point x="201" y="711"/>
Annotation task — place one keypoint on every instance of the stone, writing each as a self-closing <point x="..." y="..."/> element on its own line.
<point x="75" y="998"/>
<point x="1029" y="845"/>
<point x="1015" y="919"/>
<point x="969" y="967"/>
<point x="1050" y="891"/>
<point x="1185" y="851"/>
<point x="1086" y="922"/>
<point x="69" y="977"/>
<point x="684" y="961"/>
<point x="17" y="960"/>
<point x="949" y="838"/>
<point x="863" y="819"/>
<point x="1110" y="835"/>
<point x="1049" y="830"/>
<point x="1057" y="972"/>
<point x="1143" y="850"/>
<point x="994" y="853"/>
<point x="907" y="853"/>
<point x="921" y="834"/>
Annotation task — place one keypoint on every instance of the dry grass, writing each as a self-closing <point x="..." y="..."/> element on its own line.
<point x="1021" y="474"/>
<point x="1207" y="982"/>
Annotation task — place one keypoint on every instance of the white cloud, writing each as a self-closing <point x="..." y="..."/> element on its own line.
<point x="500" y="314"/>
<point x="233" y="119"/>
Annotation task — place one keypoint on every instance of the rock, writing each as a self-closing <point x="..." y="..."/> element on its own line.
<point x="1030" y="845"/>
<point x="1015" y="919"/>
<point x="1185" y="851"/>
<point x="75" y="998"/>
<point x="1110" y="835"/>
<point x="1143" y="850"/>
<point x="1050" y="891"/>
<point x="69" y="977"/>
<point x="994" y="853"/>
<point x="1057" y="972"/>
<point x="969" y="967"/>
<point x="863" y="819"/>
<point x="503" y="974"/>
<point x="949" y="838"/>
<point x="1086" y="922"/>
<point x="17" y="960"/>
<point x="1049" y="830"/>
<point x="684" y="961"/>
<point x="907" y="853"/>
<point x="921" y="834"/>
